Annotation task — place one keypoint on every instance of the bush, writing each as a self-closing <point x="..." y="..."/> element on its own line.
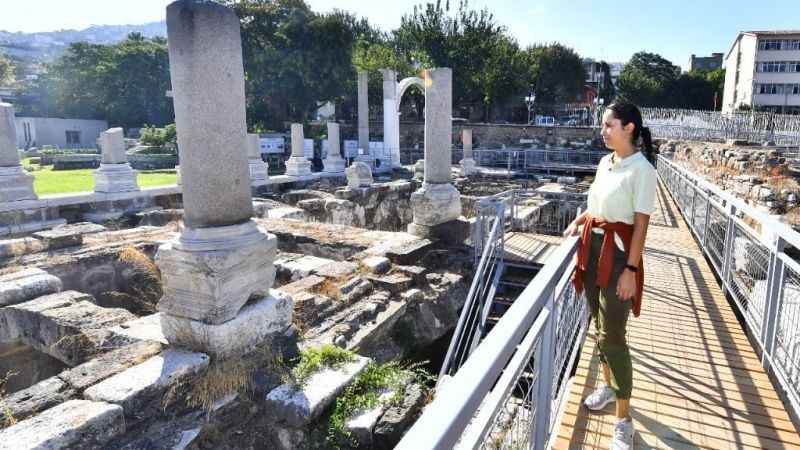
<point x="158" y="137"/>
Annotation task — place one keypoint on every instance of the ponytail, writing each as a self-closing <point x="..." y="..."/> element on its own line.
<point x="647" y="145"/>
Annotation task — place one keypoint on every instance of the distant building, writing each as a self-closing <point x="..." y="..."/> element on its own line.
<point x="712" y="62"/>
<point x="61" y="133"/>
<point x="762" y="70"/>
<point x="616" y="70"/>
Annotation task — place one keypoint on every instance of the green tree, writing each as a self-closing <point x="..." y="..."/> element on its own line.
<point x="6" y="70"/>
<point x="646" y="79"/>
<point x="556" y="72"/>
<point x="690" y="91"/>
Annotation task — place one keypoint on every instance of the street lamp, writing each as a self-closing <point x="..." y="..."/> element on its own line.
<point x="530" y="99"/>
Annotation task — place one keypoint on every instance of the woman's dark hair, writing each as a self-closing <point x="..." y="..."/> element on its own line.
<point x="627" y="113"/>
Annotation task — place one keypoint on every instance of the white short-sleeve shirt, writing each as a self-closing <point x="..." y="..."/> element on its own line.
<point x="622" y="188"/>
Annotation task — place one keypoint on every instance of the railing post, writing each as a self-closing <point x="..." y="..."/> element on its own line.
<point x="705" y="222"/>
<point x="773" y="298"/>
<point x="729" y="245"/>
<point x="691" y="218"/>
<point x="544" y="380"/>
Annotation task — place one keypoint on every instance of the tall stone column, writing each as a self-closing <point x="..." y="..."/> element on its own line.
<point x="114" y="174"/>
<point x="363" y="111"/>
<point x="297" y="165"/>
<point x="222" y="258"/>
<point x="15" y="183"/>
<point x="391" y="129"/>
<point x="437" y="201"/>
<point x="258" y="168"/>
<point x="467" y="162"/>
<point x="334" y="163"/>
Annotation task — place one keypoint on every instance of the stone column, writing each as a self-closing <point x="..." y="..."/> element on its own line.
<point x="297" y="165"/>
<point x="437" y="201"/>
<point x="391" y="130"/>
<point x="222" y="258"/>
<point x="363" y="112"/>
<point x="114" y="174"/>
<point x="15" y="183"/>
<point x="334" y="163"/>
<point x="258" y="168"/>
<point x="467" y="162"/>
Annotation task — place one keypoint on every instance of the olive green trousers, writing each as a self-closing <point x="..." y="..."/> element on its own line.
<point x="610" y="316"/>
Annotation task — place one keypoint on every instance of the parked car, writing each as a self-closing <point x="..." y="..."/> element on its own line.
<point x="545" y="121"/>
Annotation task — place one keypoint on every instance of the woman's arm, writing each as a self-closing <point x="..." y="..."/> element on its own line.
<point x="626" y="287"/>
<point x="572" y="228"/>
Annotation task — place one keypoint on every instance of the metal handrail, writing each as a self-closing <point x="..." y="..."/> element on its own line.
<point x="761" y="278"/>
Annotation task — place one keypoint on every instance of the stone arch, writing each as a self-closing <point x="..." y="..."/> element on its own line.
<point x="403" y="86"/>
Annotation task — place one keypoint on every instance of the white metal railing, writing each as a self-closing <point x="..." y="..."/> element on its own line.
<point x="506" y="392"/>
<point x="751" y="126"/>
<point x="750" y="252"/>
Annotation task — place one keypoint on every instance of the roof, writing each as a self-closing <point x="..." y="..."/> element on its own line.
<point x="761" y="33"/>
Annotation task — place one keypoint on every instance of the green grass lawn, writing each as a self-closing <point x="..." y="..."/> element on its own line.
<point x="48" y="181"/>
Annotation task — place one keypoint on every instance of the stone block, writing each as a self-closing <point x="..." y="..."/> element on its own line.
<point x="286" y="212"/>
<point x="20" y="246"/>
<point x="377" y="264"/>
<point x="255" y="322"/>
<point x="147" y="328"/>
<point x="298" y="407"/>
<point x="21" y="286"/>
<point x="67" y="326"/>
<point x="208" y="274"/>
<point x="467" y="167"/>
<point x="362" y="423"/>
<point x="359" y="175"/>
<point x="39" y="397"/>
<point x="298" y="166"/>
<point x="73" y="424"/>
<point x="67" y="235"/>
<point x="398" y="419"/>
<point x="394" y="282"/>
<point x="336" y="269"/>
<point x="15" y="184"/>
<point x="305" y="284"/>
<point x="109" y="364"/>
<point x="434" y="204"/>
<point x="113" y="178"/>
<point x="146" y="382"/>
<point x="304" y="266"/>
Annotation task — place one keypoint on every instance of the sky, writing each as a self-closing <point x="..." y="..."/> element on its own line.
<point x="610" y="30"/>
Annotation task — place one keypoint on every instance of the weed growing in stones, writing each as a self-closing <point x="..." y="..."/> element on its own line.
<point x="145" y="282"/>
<point x="6" y="415"/>
<point x="313" y="360"/>
<point x="369" y="390"/>
<point x="223" y="378"/>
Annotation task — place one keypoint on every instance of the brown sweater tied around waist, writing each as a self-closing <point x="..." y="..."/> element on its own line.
<point x="606" y="259"/>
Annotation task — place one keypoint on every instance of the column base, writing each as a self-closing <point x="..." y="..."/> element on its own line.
<point x="16" y="184"/>
<point x="208" y="274"/>
<point x="454" y="232"/>
<point x="332" y="165"/>
<point x="434" y="204"/>
<point x="112" y="178"/>
<point x="258" y="172"/>
<point x="298" y="166"/>
<point x="255" y="322"/>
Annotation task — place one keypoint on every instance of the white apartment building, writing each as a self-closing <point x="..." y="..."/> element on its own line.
<point x="762" y="69"/>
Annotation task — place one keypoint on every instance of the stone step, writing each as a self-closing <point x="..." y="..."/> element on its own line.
<point x="67" y="326"/>
<point x="144" y="383"/>
<point x="27" y="284"/>
<point x="73" y="424"/>
<point x="297" y="407"/>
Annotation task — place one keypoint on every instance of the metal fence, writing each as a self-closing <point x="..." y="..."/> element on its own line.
<point x="505" y="391"/>
<point x="749" y="252"/>
<point x="752" y="126"/>
<point x="535" y="160"/>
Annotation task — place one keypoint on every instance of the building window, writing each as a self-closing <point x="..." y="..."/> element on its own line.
<point x="794" y="89"/>
<point x="794" y="44"/>
<point x="770" y="89"/>
<point x="73" y="137"/>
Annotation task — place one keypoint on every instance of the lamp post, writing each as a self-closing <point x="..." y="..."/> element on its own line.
<point x="530" y="99"/>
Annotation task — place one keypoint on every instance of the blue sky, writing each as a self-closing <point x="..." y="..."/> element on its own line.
<point x="611" y="30"/>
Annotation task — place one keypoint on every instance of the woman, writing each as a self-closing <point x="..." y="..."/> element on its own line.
<point x="609" y="261"/>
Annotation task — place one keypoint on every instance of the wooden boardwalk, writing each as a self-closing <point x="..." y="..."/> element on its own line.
<point x="698" y="383"/>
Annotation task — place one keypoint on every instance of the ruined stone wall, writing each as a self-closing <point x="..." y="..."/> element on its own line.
<point x="760" y="175"/>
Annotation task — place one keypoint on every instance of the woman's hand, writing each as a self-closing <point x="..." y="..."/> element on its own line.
<point x="571" y="230"/>
<point x="626" y="286"/>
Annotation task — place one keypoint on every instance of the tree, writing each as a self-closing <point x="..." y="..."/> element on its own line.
<point x="556" y="72"/>
<point x="690" y="91"/>
<point x="293" y="58"/>
<point x="646" y="79"/>
<point x="6" y="70"/>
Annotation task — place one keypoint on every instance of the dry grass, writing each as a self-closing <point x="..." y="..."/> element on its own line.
<point x="6" y="415"/>
<point x="330" y="288"/>
<point x="146" y="280"/>
<point x="223" y="378"/>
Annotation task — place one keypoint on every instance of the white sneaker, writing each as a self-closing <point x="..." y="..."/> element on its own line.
<point x="601" y="397"/>
<point x="623" y="435"/>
